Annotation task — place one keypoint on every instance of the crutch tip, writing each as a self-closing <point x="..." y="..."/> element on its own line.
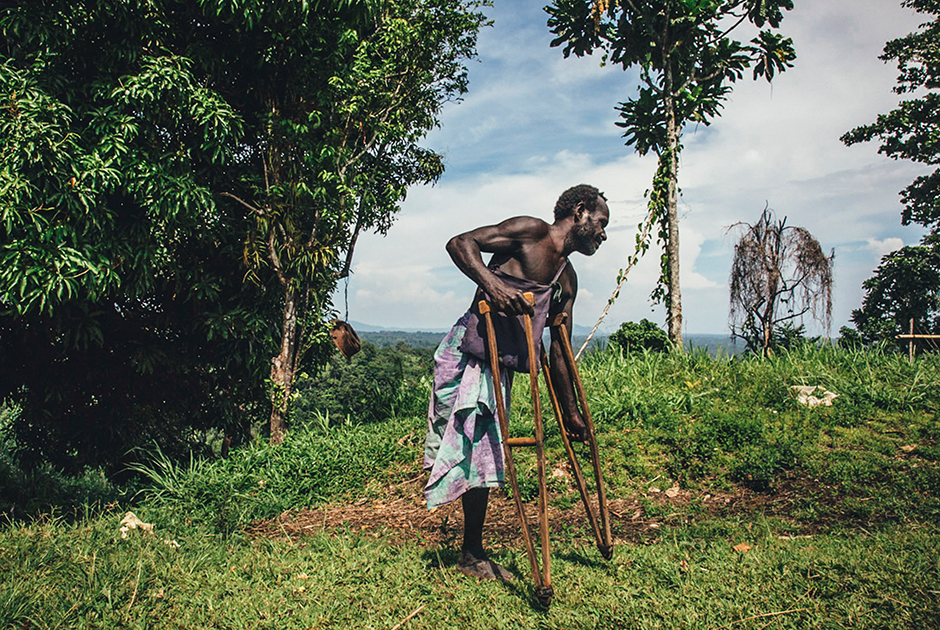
<point x="607" y="551"/>
<point x="544" y="594"/>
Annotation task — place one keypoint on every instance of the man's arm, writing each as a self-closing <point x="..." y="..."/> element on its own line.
<point x="562" y="378"/>
<point x="508" y="239"/>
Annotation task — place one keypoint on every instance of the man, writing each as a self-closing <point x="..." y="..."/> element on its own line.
<point x="464" y="447"/>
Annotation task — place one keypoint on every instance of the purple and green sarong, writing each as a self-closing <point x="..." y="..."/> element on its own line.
<point x="464" y="447"/>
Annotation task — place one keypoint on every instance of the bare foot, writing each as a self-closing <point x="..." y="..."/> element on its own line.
<point x="476" y="564"/>
<point x="577" y="430"/>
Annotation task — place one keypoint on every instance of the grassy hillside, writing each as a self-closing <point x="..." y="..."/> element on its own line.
<point x="735" y="506"/>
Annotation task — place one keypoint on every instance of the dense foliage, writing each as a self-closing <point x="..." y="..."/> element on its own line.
<point x="687" y="63"/>
<point x="153" y="154"/>
<point x="339" y="96"/>
<point x="905" y="285"/>
<point x="636" y="337"/>
<point x="376" y="384"/>
<point x="904" y="291"/>
<point x="123" y="315"/>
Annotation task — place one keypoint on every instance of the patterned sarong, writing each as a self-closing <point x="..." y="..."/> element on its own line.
<point x="464" y="448"/>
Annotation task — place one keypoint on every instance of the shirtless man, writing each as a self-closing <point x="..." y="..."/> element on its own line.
<point x="463" y="449"/>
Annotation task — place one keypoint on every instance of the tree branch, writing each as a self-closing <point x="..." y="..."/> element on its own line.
<point x="257" y="211"/>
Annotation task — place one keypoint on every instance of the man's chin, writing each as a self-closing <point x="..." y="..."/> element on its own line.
<point x="589" y="249"/>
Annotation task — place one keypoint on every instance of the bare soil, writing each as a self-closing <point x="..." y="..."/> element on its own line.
<point x="401" y="514"/>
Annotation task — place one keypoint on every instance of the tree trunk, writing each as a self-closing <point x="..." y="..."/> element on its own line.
<point x="284" y="365"/>
<point x="674" y="306"/>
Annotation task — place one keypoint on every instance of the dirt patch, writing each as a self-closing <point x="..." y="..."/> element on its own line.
<point x="401" y="514"/>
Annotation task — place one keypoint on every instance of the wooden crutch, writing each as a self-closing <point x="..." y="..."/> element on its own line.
<point x="542" y="579"/>
<point x="601" y="529"/>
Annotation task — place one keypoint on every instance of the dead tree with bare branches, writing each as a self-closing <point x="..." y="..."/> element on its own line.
<point x="779" y="274"/>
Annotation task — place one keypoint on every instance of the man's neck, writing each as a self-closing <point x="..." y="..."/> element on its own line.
<point x="559" y="234"/>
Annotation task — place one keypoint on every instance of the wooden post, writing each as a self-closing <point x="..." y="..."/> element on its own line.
<point x="912" y="337"/>
<point x="910" y="345"/>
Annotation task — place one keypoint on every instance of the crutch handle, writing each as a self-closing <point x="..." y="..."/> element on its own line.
<point x="486" y="308"/>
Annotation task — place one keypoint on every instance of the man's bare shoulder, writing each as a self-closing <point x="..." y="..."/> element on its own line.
<point x="525" y="226"/>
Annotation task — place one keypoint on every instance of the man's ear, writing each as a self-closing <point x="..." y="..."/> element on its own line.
<point x="579" y="211"/>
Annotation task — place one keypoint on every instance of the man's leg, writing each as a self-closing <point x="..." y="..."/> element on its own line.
<point x="473" y="560"/>
<point x="474" y="503"/>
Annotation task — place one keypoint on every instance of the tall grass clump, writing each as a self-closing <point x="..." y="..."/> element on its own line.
<point x="691" y="417"/>
<point x="260" y="481"/>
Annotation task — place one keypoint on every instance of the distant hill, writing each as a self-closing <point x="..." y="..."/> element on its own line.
<point x="372" y="328"/>
<point x="714" y="343"/>
<point x="362" y="327"/>
<point x="383" y="337"/>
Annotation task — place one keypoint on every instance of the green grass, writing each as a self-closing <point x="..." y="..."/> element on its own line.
<point x="308" y="469"/>
<point x="60" y="575"/>
<point x="843" y="533"/>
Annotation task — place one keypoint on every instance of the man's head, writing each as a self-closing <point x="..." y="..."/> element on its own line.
<point x="580" y="194"/>
<point x="587" y="207"/>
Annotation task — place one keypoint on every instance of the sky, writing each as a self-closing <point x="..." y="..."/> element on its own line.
<point x="534" y="123"/>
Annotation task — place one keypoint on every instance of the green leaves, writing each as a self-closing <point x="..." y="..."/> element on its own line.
<point x="573" y="24"/>
<point x="767" y="11"/>
<point x="122" y="303"/>
<point x="912" y="130"/>
<point x="905" y="286"/>
<point x="633" y="337"/>
<point x="644" y="120"/>
<point x="682" y="50"/>
<point x="773" y="53"/>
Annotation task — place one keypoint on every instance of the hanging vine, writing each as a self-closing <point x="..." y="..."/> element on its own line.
<point x="656" y="213"/>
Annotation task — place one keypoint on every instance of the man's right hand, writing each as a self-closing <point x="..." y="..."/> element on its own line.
<point x="510" y="301"/>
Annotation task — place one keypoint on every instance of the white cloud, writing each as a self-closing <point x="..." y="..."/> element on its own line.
<point x="888" y="245"/>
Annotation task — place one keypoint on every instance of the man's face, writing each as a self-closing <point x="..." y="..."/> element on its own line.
<point x="588" y="231"/>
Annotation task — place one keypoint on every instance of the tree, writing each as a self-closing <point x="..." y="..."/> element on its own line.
<point x="905" y="287"/>
<point x="779" y="274"/>
<point x="123" y="315"/>
<point x="155" y="151"/>
<point x="911" y="131"/>
<point x="687" y="64"/>
<point x="341" y="97"/>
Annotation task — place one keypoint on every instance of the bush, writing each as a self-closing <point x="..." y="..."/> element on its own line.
<point x="28" y="492"/>
<point x="376" y="384"/>
<point x="633" y="337"/>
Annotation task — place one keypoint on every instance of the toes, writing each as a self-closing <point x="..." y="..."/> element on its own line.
<point x="500" y="573"/>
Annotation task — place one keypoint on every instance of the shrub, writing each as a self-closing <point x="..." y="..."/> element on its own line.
<point x="633" y="337"/>
<point x="376" y="384"/>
